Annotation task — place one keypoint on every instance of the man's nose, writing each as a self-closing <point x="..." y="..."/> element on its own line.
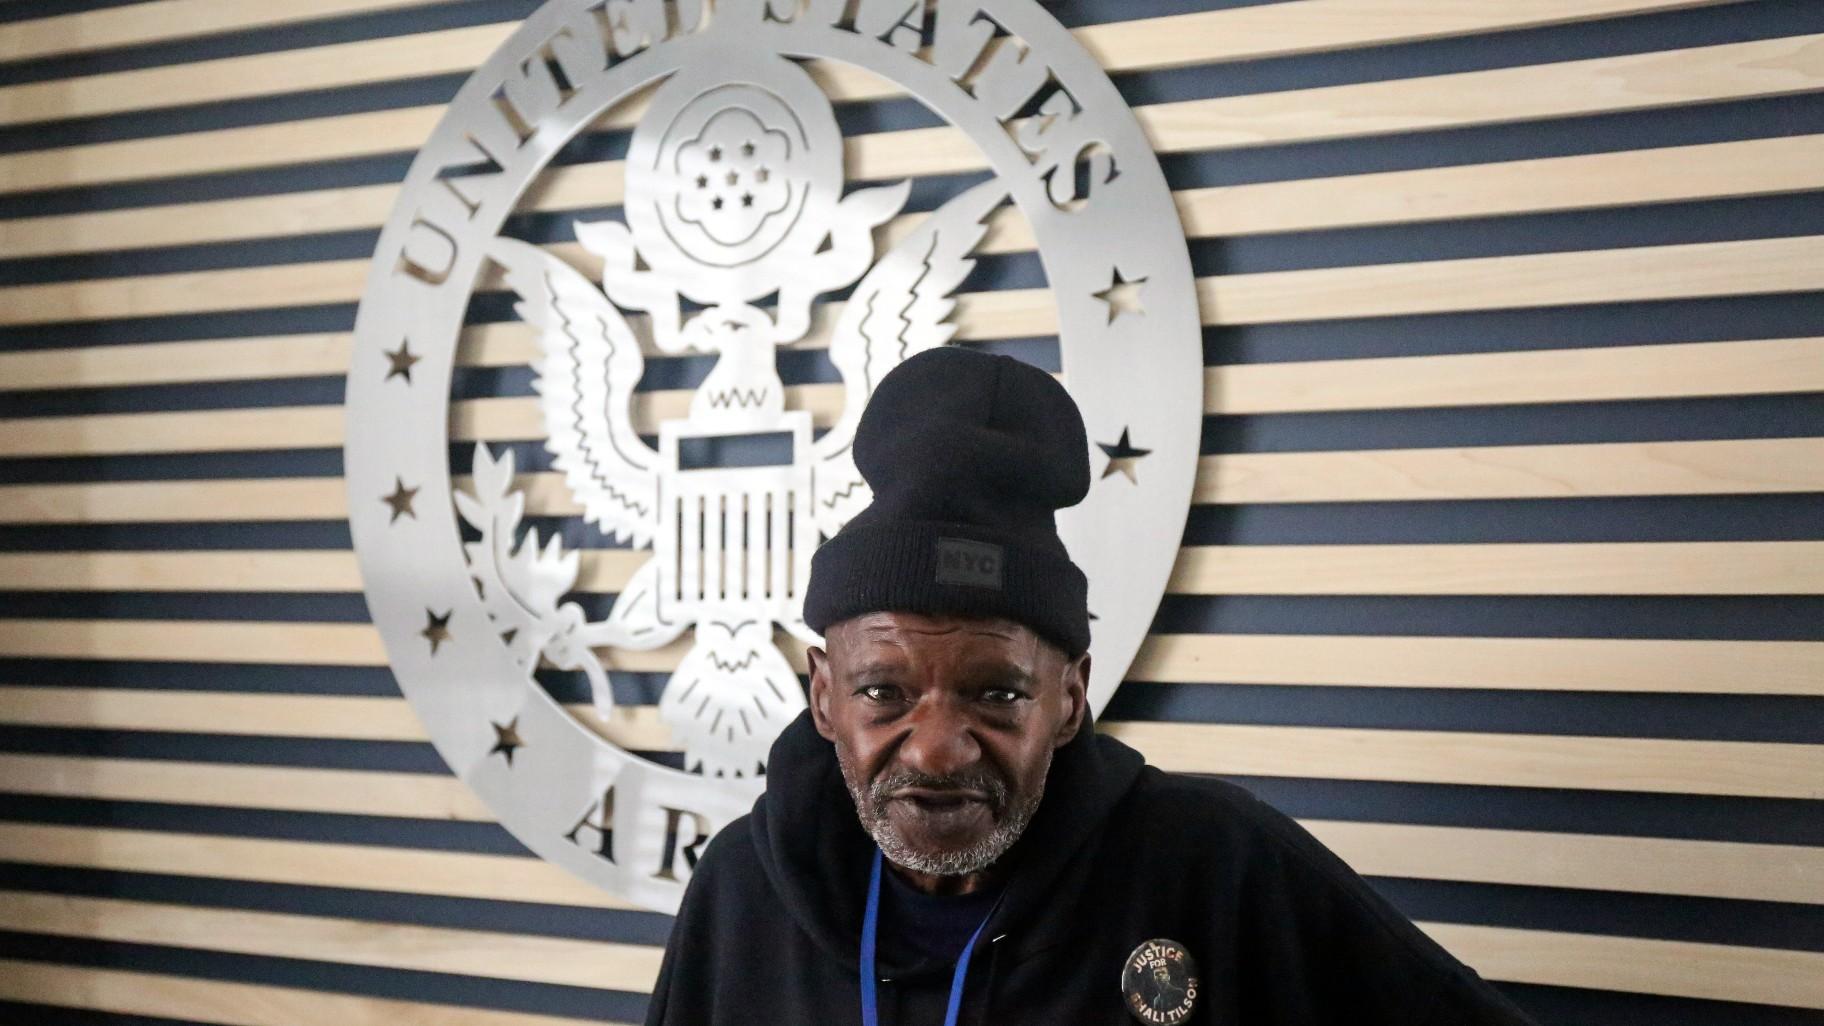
<point x="940" y="742"/>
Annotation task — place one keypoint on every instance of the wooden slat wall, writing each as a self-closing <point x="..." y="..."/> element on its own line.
<point x="1505" y="574"/>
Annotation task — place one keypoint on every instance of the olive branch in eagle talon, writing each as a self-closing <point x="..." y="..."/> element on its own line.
<point x="520" y="582"/>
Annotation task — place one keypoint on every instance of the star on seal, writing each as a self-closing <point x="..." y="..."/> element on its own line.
<point x="1159" y="983"/>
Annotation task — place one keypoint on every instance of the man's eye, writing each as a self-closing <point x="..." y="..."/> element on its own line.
<point x="879" y="692"/>
<point x="1001" y="696"/>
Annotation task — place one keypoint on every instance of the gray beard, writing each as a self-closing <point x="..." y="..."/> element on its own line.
<point x="1010" y="820"/>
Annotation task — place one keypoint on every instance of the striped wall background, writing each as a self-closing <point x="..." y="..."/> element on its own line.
<point x="1504" y="576"/>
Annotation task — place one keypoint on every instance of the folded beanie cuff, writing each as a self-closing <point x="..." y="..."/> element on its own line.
<point x="939" y="568"/>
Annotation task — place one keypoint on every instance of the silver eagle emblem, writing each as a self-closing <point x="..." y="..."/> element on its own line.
<point x="734" y="196"/>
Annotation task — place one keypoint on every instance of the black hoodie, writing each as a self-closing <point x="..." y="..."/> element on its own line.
<point x="1119" y="853"/>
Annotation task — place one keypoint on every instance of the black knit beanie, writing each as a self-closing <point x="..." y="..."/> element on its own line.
<point x="970" y="456"/>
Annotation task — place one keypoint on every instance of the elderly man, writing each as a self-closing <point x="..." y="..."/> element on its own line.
<point x="944" y="839"/>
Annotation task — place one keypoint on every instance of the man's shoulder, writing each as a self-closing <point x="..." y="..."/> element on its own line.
<point x="1212" y="818"/>
<point x="730" y="865"/>
<point x="1204" y="804"/>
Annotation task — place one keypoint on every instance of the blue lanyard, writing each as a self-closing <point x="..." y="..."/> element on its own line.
<point x="870" y="927"/>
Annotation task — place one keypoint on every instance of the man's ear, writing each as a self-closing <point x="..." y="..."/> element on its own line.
<point x="1076" y="695"/>
<point x="820" y="691"/>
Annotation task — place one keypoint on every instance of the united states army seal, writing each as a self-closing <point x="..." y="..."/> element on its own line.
<point x="528" y="558"/>
<point x="1159" y="982"/>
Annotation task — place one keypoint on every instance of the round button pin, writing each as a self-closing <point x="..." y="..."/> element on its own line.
<point x="1159" y="983"/>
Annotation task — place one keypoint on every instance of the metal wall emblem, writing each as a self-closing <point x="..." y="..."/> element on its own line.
<point x="737" y="219"/>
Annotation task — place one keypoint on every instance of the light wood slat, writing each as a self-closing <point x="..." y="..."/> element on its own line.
<point x="1738" y="267"/>
<point x="1516" y="472"/>
<point x="1643" y="865"/>
<point x="321" y="427"/>
<point x="492" y="954"/>
<point x="237" y="1004"/>
<point x="258" y="643"/>
<point x="338" y="65"/>
<point x="245" y="570"/>
<point x="1498" y="953"/>
<point x="1314" y="26"/>
<point x="1605" y="374"/>
<point x="1555" y="376"/>
<point x="1587" y="568"/>
<point x="1581" y="568"/>
<point x="1636" y="965"/>
<point x="1648" y="765"/>
<point x="1565" y="664"/>
<point x="336" y="137"/>
<point x="365" y="867"/>
<point x="1752" y="167"/>
<point x="1762" y="68"/>
<point x="242" y="288"/>
<point x="1714" y="972"/>
<point x="264" y="499"/>
<point x="282" y="788"/>
<point x="162" y="21"/>
<point x="162" y="363"/>
<point x="1689" y="271"/>
<point x="994" y="314"/>
<point x="1483" y="663"/>
<point x="219" y="220"/>
<point x="343" y="717"/>
<point x="1728" y="467"/>
<point x="310" y="644"/>
<point x="1551" y="664"/>
<point x="1306" y="26"/>
<point x="1740" y="768"/>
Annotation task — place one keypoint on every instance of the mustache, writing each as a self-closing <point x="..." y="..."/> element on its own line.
<point x="981" y="781"/>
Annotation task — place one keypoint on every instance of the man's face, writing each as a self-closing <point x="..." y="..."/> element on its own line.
<point x="944" y="728"/>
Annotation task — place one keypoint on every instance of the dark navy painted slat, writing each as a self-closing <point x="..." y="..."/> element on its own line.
<point x="1758" y="718"/>
<point x="1540" y="328"/>
<point x="1636" y="814"/>
<point x="1630" y="519"/>
<point x="181" y="676"/>
<point x="349" y="28"/>
<point x="1648" y="518"/>
<point x="1643" y="420"/>
<point x="1624" y="519"/>
<point x="1746" y="618"/>
<point x="200" y="466"/>
<point x="34" y="9"/>
<point x="1762" y="924"/>
<point x="228" y="749"/>
<point x="295" y="534"/>
<point x="430" y="833"/>
<point x="182" y="328"/>
<point x="344" y="607"/>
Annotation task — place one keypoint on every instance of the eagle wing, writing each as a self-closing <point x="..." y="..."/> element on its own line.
<point x="902" y="307"/>
<point x="589" y="362"/>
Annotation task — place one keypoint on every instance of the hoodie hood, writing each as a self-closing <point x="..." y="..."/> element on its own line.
<point x="816" y="856"/>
